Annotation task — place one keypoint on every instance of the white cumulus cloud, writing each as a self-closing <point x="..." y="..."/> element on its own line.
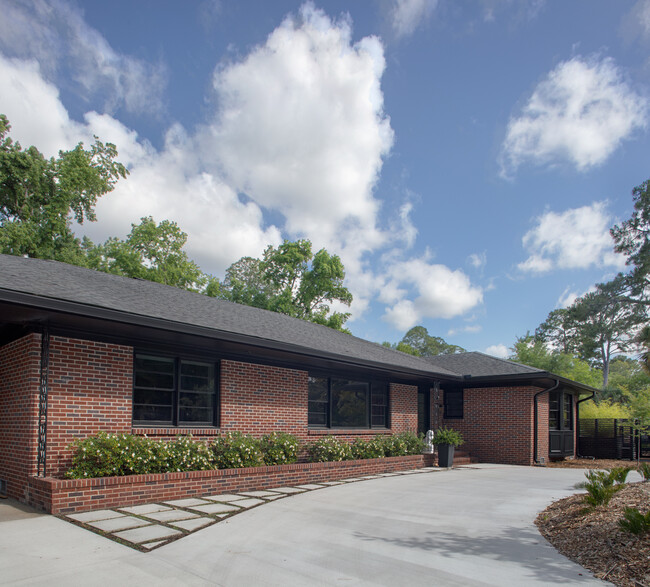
<point x="435" y="291"/>
<point x="498" y="350"/>
<point x="301" y="126"/>
<point x="407" y="15"/>
<point x="569" y="296"/>
<point x="298" y="131"/>
<point x="581" y="112"/>
<point x="56" y="35"/>
<point x="575" y="239"/>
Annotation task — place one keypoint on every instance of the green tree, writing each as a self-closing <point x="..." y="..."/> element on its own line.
<point x="151" y="251"/>
<point x="534" y="352"/>
<point x="244" y="284"/>
<point x="643" y="338"/>
<point x="402" y="347"/>
<point x="291" y="280"/>
<point x="560" y="331"/>
<point x="632" y="238"/>
<point x="625" y="375"/>
<point x="39" y="196"/>
<point x="418" y="338"/>
<point x="605" y="324"/>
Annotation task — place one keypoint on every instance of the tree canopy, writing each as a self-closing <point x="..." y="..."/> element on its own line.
<point x="417" y="341"/>
<point x="534" y="352"/>
<point x="39" y="196"/>
<point x="596" y="327"/>
<point x="150" y="251"/>
<point x="632" y="238"/>
<point x="291" y="280"/>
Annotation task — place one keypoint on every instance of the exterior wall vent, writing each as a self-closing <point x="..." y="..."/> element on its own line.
<point x="3" y="487"/>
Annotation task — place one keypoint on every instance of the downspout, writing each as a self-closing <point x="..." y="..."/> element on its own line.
<point x="593" y="393"/>
<point x="535" y="424"/>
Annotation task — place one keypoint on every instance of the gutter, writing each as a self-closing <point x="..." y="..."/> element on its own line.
<point x="535" y="423"/>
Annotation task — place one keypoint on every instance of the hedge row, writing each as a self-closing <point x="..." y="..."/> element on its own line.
<point x="108" y="455"/>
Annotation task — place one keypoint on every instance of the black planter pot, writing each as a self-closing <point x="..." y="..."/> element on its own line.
<point x="445" y="455"/>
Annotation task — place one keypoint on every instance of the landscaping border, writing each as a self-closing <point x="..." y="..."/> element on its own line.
<point x="68" y="496"/>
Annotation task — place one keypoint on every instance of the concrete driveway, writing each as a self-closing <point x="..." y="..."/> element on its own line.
<point x="469" y="526"/>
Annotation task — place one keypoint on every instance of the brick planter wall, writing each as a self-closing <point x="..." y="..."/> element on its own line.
<point x="66" y="496"/>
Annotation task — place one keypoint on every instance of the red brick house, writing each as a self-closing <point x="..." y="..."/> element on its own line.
<point x="83" y="351"/>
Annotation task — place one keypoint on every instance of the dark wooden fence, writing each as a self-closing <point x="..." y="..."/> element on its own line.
<point x="612" y="438"/>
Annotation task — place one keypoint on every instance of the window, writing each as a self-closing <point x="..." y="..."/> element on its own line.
<point x="344" y="403"/>
<point x="453" y="404"/>
<point x="560" y="411"/>
<point x="173" y="391"/>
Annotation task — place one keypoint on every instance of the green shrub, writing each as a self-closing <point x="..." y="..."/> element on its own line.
<point x="329" y="448"/>
<point x="234" y="450"/>
<point x="394" y="446"/>
<point x="414" y="443"/>
<point x="109" y="455"/>
<point x="619" y="474"/>
<point x="184" y="454"/>
<point x="634" y="521"/>
<point x="368" y="449"/>
<point x="448" y="436"/>
<point x="279" y="448"/>
<point x="602" y="485"/>
<point x="644" y="471"/>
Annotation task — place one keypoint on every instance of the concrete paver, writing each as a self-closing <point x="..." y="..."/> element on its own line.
<point x="215" y="508"/>
<point x="310" y="486"/>
<point x="187" y="502"/>
<point x="114" y="525"/>
<point x="147" y="533"/>
<point x="260" y="493"/>
<point x="192" y="525"/>
<point x="147" y="508"/>
<point x="250" y="502"/>
<point x="226" y="497"/>
<point x="171" y="516"/>
<point x="95" y="516"/>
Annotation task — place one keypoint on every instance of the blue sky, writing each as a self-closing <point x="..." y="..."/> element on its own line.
<point x="465" y="159"/>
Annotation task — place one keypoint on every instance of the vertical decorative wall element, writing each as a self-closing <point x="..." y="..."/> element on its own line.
<point x="42" y="403"/>
<point x="436" y="402"/>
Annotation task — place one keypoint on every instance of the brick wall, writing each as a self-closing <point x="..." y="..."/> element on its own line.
<point x="403" y="408"/>
<point x="90" y="389"/>
<point x="259" y="399"/>
<point x="59" y="496"/>
<point x="20" y="363"/>
<point x="497" y="424"/>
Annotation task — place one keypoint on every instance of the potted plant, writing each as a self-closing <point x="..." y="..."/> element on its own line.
<point x="447" y="439"/>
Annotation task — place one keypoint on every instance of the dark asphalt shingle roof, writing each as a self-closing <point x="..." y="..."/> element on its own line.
<point x="93" y="289"/>
<point x="480" y="365"/>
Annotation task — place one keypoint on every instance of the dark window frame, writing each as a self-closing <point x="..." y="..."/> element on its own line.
<point x="454" y="403"/>
<point x="177" y="391"/>
<point x="375" y="390"/>
<point x="564" y="419"/>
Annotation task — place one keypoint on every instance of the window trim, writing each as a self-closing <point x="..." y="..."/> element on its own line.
<point x="562" y="396"/>
<point x="371" y="383"/>
<point x="179" y="358"/>
<point x="459" y="397"/>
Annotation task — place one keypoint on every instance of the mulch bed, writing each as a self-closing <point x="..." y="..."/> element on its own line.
<point x="593" y="538"/>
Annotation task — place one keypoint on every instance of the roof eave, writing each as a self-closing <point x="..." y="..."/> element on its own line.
<point x="526" y="377"/>
<point x="97" y="312"/>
